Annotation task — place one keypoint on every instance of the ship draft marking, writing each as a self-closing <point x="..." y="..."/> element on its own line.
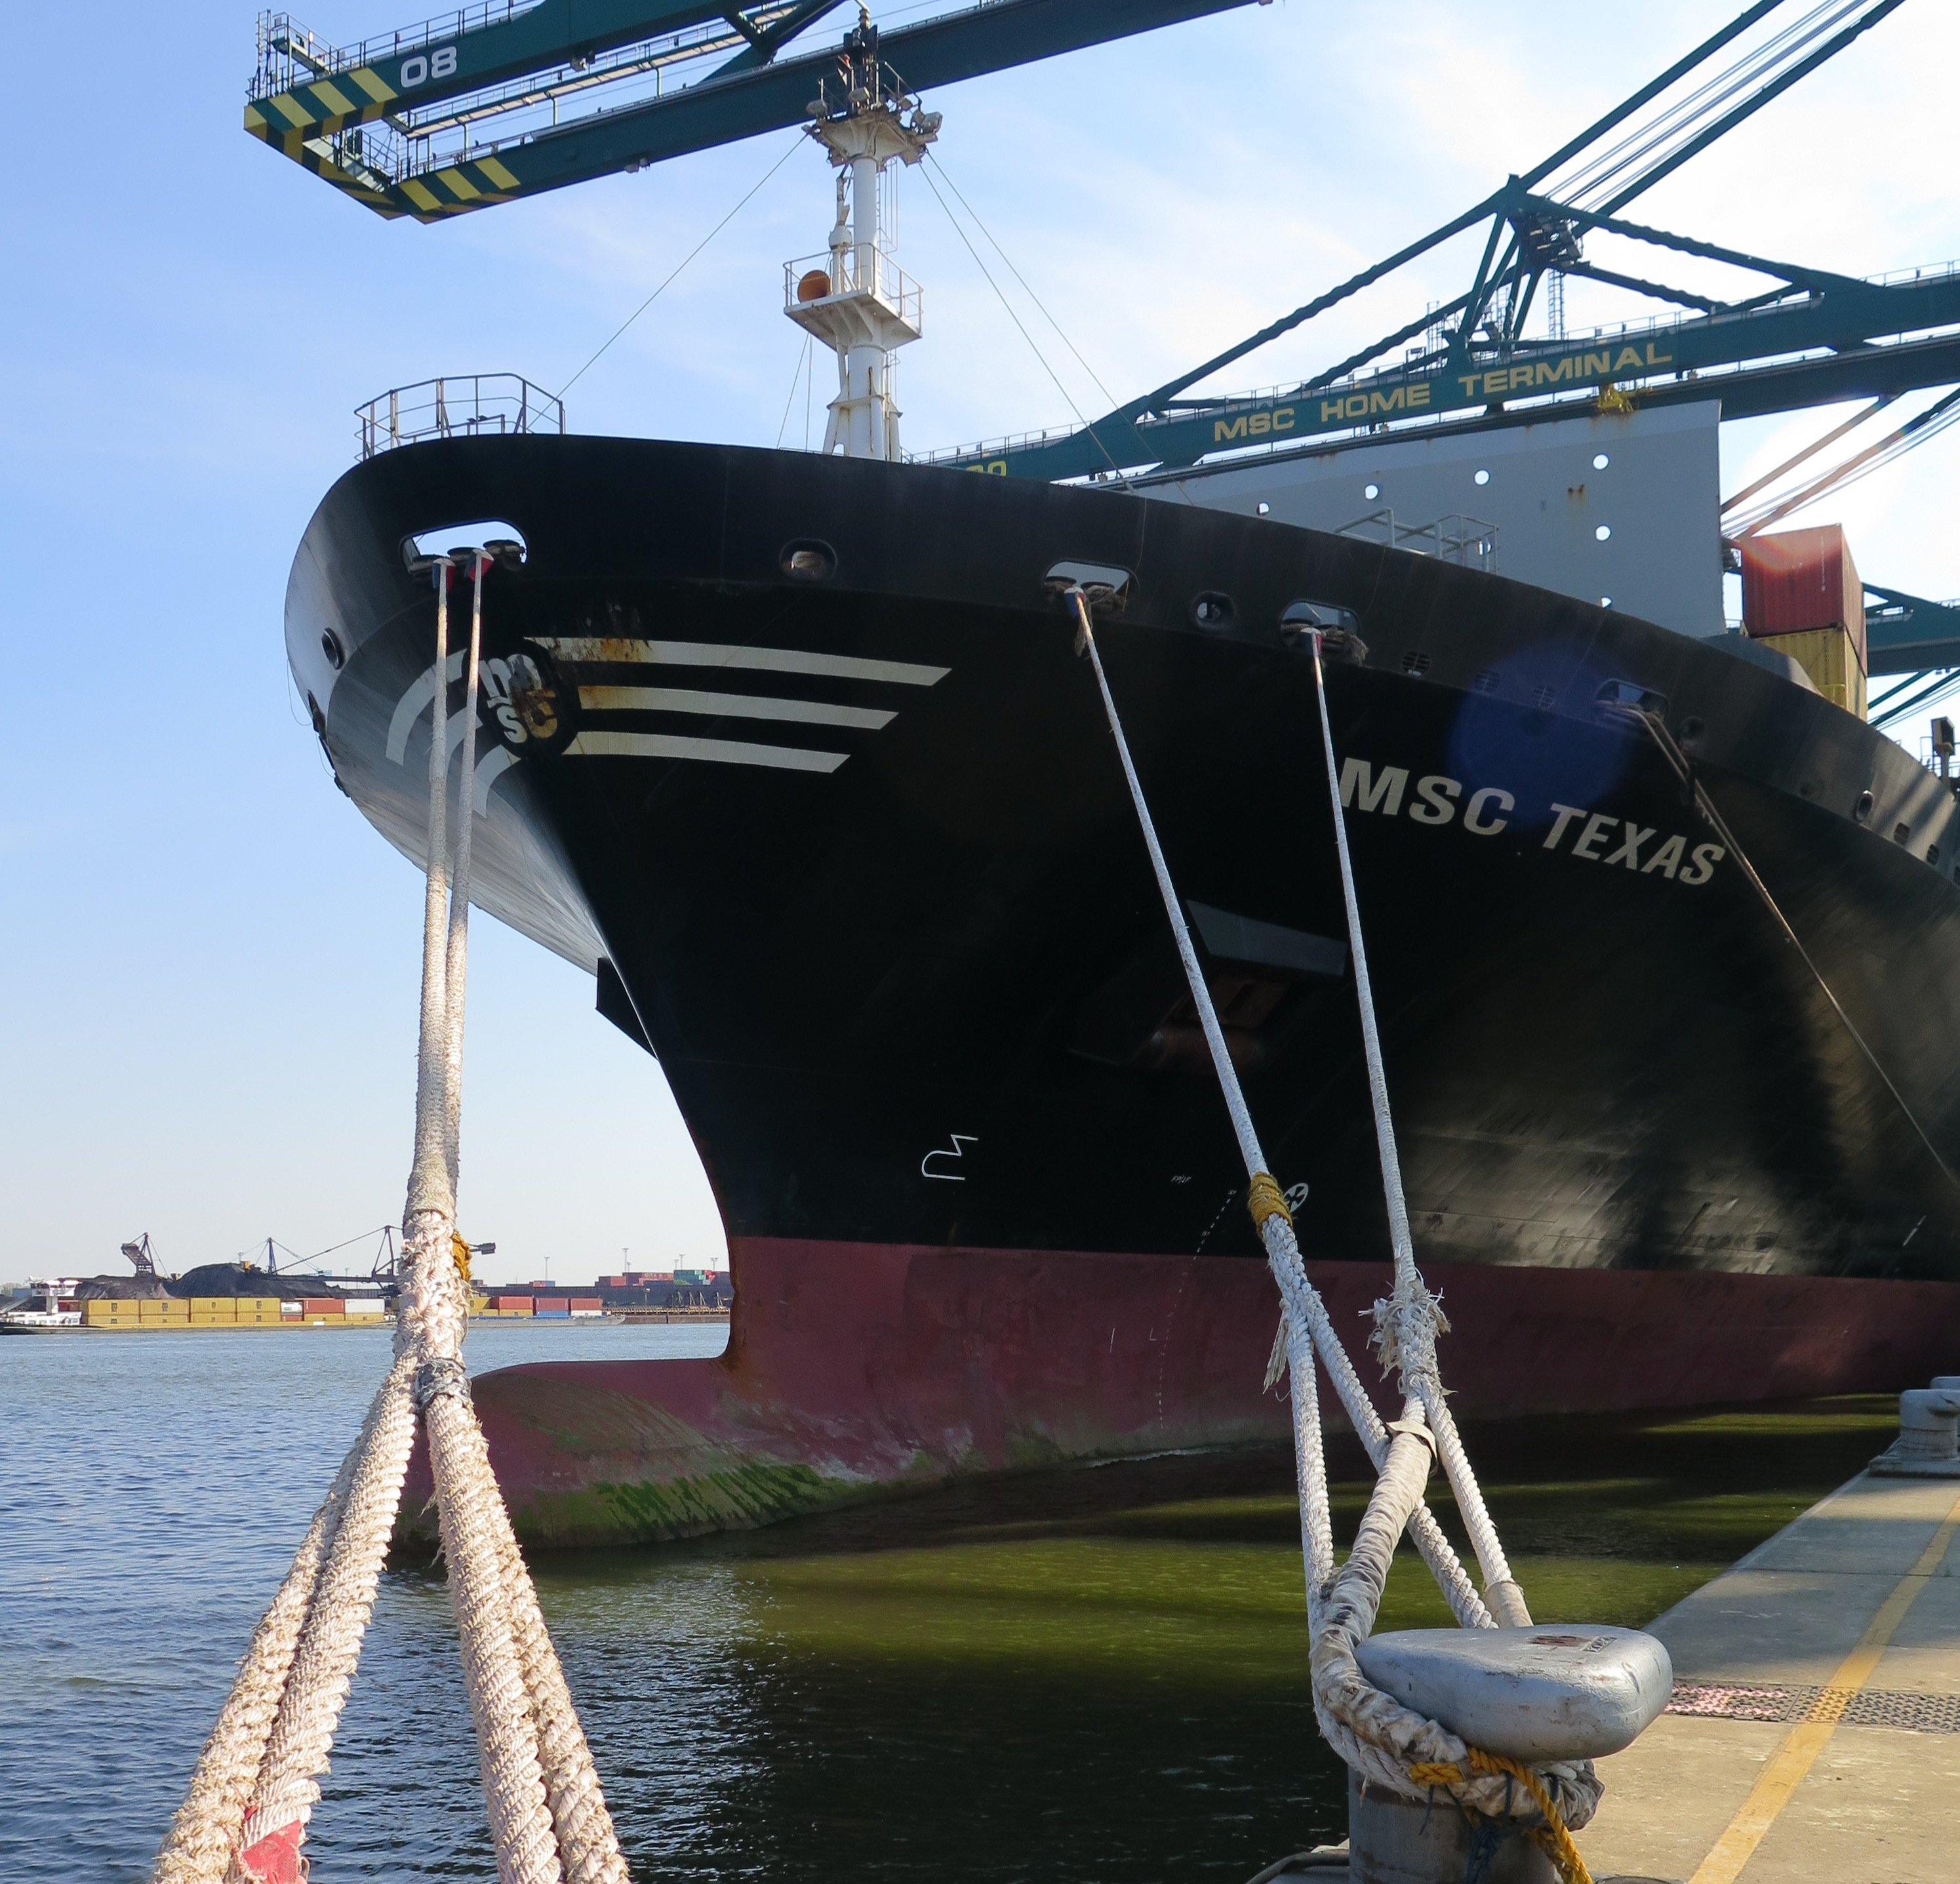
<point x="577" y="650"/>
<point x="1364" y="789"/>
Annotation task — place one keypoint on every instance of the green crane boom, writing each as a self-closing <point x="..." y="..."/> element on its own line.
<point x="444" y="118"/>
<point x="505" y="99"/>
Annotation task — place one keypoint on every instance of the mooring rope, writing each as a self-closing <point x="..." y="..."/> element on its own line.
<point x="1407" y="1324"/>
<point x="1374" y="1733"/>
<point x="244" y="1818"/>
<point x="455" y="956"/>
<point x="201" y="1837"/>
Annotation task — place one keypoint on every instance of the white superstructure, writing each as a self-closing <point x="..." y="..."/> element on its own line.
<point x="49" y="1310"/>
<point x="854" y="297"/>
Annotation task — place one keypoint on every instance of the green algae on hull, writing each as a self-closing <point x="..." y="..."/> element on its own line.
<point x="1095" y="1672"/>
<point x="1196" y="1560"/>
<point x="736" y="1498"/>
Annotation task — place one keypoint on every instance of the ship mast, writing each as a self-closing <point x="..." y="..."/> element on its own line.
<point x="855" y="298"/>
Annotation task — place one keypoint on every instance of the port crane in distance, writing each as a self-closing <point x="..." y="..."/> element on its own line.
<point x="501" y="100"/>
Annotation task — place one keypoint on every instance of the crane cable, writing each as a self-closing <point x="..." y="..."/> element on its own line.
<point x="674" y="274"/>
<point x="1920" y="429"/>
<point x="1020" y="327"/>
<point x="1678" y="124"/>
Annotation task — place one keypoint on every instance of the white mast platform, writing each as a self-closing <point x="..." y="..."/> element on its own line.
<point x="855" y="298"/>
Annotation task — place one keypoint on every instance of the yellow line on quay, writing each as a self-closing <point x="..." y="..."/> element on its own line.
<point x="1793" y="1760"/>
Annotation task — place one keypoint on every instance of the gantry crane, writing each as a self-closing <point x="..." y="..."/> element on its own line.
<point x="506" y="98"/>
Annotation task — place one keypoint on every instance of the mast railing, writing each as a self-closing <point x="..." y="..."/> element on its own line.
<point x="300" y="51"/>
<point x="885" y="283"/>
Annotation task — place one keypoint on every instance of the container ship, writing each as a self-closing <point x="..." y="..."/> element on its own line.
<point x="792" y="753"/>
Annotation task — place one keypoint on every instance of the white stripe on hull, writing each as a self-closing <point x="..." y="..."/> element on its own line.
<point x="600" y="744"/>
<point x="593" y="648"/>
<point x="739" y="705"/>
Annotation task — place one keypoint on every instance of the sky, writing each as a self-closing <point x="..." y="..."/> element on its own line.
<point x="208" y="960"/>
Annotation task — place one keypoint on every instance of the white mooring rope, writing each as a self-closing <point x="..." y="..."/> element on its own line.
<point x="244" y="1818"/>
<point x="1375" y="1734"/>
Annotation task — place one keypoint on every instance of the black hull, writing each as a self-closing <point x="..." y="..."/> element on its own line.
<point x="914" y="987"/>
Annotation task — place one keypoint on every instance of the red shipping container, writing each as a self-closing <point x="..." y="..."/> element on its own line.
<point x="514" y="1304"/>
<point x="321" y="1305"/>
<point x="1802" y="579"/>
<point x="586" y="1305"/>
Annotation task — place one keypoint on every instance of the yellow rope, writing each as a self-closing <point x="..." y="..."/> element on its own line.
<point x="1552" y="1836"/>
<point x="459" y="1250"/>
<point x="1263" y="1199"/>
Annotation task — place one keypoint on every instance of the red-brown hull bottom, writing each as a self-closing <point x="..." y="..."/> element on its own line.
<point x="852" y="1367"/>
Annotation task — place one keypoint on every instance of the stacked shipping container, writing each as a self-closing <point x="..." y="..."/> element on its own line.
<point x="1801" y="590"/>
<point x="230" y="1311"/>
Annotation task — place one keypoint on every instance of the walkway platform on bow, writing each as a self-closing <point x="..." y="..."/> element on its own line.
<point x="1815" y="1731"/>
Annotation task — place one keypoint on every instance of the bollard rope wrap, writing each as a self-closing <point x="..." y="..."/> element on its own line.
<point x="1372" y="1732"/>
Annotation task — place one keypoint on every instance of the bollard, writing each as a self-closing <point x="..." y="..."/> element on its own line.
<point x="1928" y="1445"/>
<point x="1549" y="1692"/>
<point x="1391" y="1840"/>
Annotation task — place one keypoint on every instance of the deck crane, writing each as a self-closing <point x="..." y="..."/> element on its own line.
<point x="506" y="99"/>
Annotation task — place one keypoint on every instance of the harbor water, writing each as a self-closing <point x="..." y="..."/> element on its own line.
<point x="1095" y="1675"/>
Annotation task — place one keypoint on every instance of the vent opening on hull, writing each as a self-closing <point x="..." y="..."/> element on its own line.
<point x="808" y="560"/>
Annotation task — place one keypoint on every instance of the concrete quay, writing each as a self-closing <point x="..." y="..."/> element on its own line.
<point x="1814" y="1737"/>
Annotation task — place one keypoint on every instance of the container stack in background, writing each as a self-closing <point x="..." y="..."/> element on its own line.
<point x="1801" y="590"/>
<point x="537" y="1307"/>
<point x="144" y="1315"/>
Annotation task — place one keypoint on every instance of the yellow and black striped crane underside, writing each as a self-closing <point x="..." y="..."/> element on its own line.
<point x="305" y="123"/>
<point x="318" y="121"/>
